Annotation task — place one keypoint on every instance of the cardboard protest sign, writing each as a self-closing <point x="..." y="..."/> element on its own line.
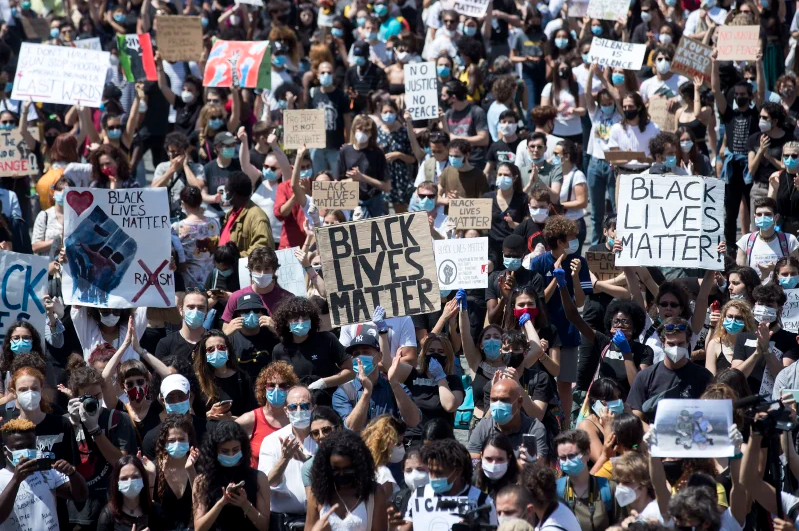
<point x="461" y="263"/>
<point x="290" y="274"/>
<point x="336" y="195"/>
<point x="472" y="8"/>
<point x="14" y="155"/>
<point x="578" y="9"/>
<point x="92" y="43"/>
<point x="692" y="58"/>
<point x="693" y="428"/>
<point x="246" y="64"/>
<point x="738" y="43"/>
<point x="180" y="38"/>
<point x="670" y="220"/>
<point x="602" y="265"/>
<point x="470" y="213"/>
<point x="58" y="74"/>
<point x="36" y="28"/>
<point x="438" y="513"/>
<point x="659" y="113"/>
<point x="790" y="312"/>
<point x="386" y="261"/>
<point x="22" y="290"/>
<point x="608" y="9"/>
<point x="118" y="245"/>
<point x="136" y="57"/>
<point x="421" y="90"/>
<point x="615" y="54"/>
<point x="304" y="127"/>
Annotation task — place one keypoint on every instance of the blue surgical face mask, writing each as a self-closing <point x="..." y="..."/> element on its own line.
<point x="573" y="246"/>
<point x="611" y="242"/>
<point x="283" y="104"/>
<point x="229" y="152"/>
<point x="596" y="30"/>
<point x="389" y="118"/>
<point x="790" y="163"/>
<point x="372" y="36"/>
<point x="229" y="460"/>
<point x="114" y="134"/>
<point x="456" y="162"/>
<point x="427" y="204"/>
<point x="177" y="449"/>
<point x="368" y="364"/>
<point x="269" y="174"/>
<point x="21" y="346"/>
<point x="179" y="408"/>
<point x="441" y="485"/>
<point x="204" y="22"/>
<point x="360" y="60"/>
<point x="380" y="9"/>
<point x="130" y="488"/>
<point x="504" y="182"/>
<point x="58" y="197"/>
<point x="733" y="326"/>
<point x="193" y="318"/>
<point x="306" y="174"/>
<point x="279" y="60"/>
<point x="216" y="123"/>
<point x="16" y="455"/>
<point x="216" y="359"/>
<point x="561" y="42"/>
<point x="608" y="109"/>
<point x="671" y="161"/>
<point x="250" y="320"/>
<point x="764" y="222"/>
<point x="491" y="347"/>
<point x="277" y="396"/>
<point x="443" y="70"/>
<point x="573" y="466"/>
<point x="788" y="282"/>
<point x="616" y="406"/>
<point x="54" y="33"/>
<point x="556" y="160"/>
<point x="686" y="145"/>
<point x="326" y="79"/>
<point x="617" y="78"/>
<point x="226" y="273"/>
<point x="360" y="21"/>
<point x="9" y="87"/>
<point x="586" y="58"/>
<point x="470" y="31"/>
<point x="512" y="263"/>
<point x="6" y="127"/>
<point x="300" y="328"/>
<point x="337" y="32"/>
<point x="26" y="5"/>
<point x="502" y="412"/>
<point x="119" y="18"/>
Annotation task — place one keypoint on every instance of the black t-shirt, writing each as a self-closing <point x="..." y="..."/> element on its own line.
<point x="501" y="151"/>
<point x="517" y="208"/>
<point x="254" y="352"/>
<point x="148" y="446"/>
<point x="156" y="120"/>
<point x="499" y="28"/>
<point x="216" y="177"/>
<point x="740" y="125"/>
<point x="186" y="115"/>
<point x="257" y="158"/>
<point x="335" y="104"/>
<point x="766" y="168"/>
<point x="150" y="420"/>
<point x="524" y="277"/>
<point x="238" y="388"/>
<point x="597" y="303"/>
<point x="54" y="435"/>
<point x="174" y="343"/>
<point x="364" y="80"/>
<point x="612" y="364"/>
<point x="152" y="521"/>
<point x="424" y="392"/>
<point x="319" y="356"/>
<point x="371" y="162"/>
<point x="788" y="196"/>
<point x="689" y="381"/>
<point x="746" y="344"/>
<point x="533" y="234"/>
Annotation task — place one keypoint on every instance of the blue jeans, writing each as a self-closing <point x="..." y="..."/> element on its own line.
<point x="325" y="160"/>
<point x="601" y="183"/>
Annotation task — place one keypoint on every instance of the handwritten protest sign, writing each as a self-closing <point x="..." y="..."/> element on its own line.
<point x="14" y="155"/>
<point x="136" y="57"/>
<point x="615" y="54"/>
<point x="670" y="220"/>
<point x="472" y="8"/>
<point x="118" y="246"/>
<point x="693" y="428"/>
<point x="692" y="58"/>
<point x="22" y="291"/>
<point x="461" y="263"/>
<point x="180" y="38"/>
<point x="602" y="264"/>
<point x="57" y="74"/>
<point x="578" y="9"/>
<point x="608" y="9"/>
<point x="659" y="113"/>
<point x="92" y="43"/>
<point x="421" y="90"/>
<point x="470" y="213"/>
<point x="437" y="513"/>
<point x="290" y="274"/>
<point x="738" y="43"/>
<point x="336" y="195"/>
<point x="386" y="261"/>
<point x="246" y="64"/>
<point x="304" y="126"/>
<point x="36" y="28"/>
<point x="790" y="312"/>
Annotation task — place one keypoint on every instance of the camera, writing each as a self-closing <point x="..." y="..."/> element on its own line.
<point x="90" y="404"/>
<point x="777" y="418"/>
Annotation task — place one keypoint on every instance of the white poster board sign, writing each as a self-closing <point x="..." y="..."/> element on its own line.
<point x="461" y="263"/>
<point x="421" y="90"/>
<point x="290" y="274"/>
<point x="615" y="54"/>
<point x="693" y="428"/>
<point x="790" y="312"/>
<point x="118" y="246"/>
<point x="438" y="513"/>
<point x="608" y="9"/>
<point x="22" y="291"/>
<point x="92" y="43"/>
<point x="58" y="74"/>
<point x="671" y="221"/>
<point x="471" y="8"/>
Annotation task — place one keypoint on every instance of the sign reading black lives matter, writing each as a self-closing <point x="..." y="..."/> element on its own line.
<point x="385" y="261"/>
<point x="670" y="220"/>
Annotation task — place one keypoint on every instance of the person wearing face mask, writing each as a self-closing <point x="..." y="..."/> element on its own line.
<point x="328" y="95"/>
<point x="504" y="92"/>
<point x="529" y="51"/>
<point x="182" y="342"/>
<point x="461" y="179"/>
<point x="252" y="334"/>
<point x="364" y="162"/>
<point x="176" y="396"/>
<point x="603" y="403"/>
<point x="392" y="138"/>
<point x="634" y="488"/>
<point x="567" y="95"/>
<point x="225" y="389"/>
<point x="445" y="38"/>
<point x="633" y="133"/>
<point x="245" y="224"/>
<point x="218" y="171"/>
<point x="503" y="280"/>
<point x="761" y="249"/>
<point x="466" y="121"/>
<point x="765" y="150"/>
<point x="363" y="77"/>
<point x="95" y="326"/>
<point x="498" y="466"/>
<point x="49" y="224"/>
<point x="690" y="156"/>
<point x="415" y="476"/>
<point x="573" y="196"/>
<point x="589" y="497"/>
<point x="28" y="492"/>
<point x="262" y="264"/>
<point x="532" y="228"/>
<point x="384" y="438"/>
<point x="734" y="318"/>
<point x="675" y="376"/>
<point x="505" y="147"/>
<point x="508" y="208"/>
<point x="697" y="117"/>
<point x="781" y="188"/>
<point x="176" y="456"/>
<point x="179" y="172"/>
<point x="664" y="83"/>
<point x="187" y="103"/>
<point x="664" y="149"/>
<point x="195" y="233"/>
<point x="222" y="282"/>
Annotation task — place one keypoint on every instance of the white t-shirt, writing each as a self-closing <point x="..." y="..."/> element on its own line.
<point x="788" y="502"/>
<point x="570" y="180"/>
<point x="600" y="132"/>
<point x="383" y="475"/>
<point x="653" y="341"/>
<point x="717" y="15"/>
<point x="264" y="197"/>
<point x="523" y="161"/>
<point x="564" y="125"/>
<point x="632" y="139"/>
<point x="561" y="519"/>
<point x="651" y="512"/>
<point x="581" y="75"/>
<point x="401" y="333"/>
<point x="653" y="86"/>
<point x="766" y="252"/>
<point x="289" y="495"/>
<point x="35" y="506"/>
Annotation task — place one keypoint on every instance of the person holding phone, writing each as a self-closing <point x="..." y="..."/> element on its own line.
<point x="130" y="506"/>
<point x="226" y="389"/>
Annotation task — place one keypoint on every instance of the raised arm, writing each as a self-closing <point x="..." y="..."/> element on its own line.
<point x="715" y="83"/>
<point x="163" y="80"/>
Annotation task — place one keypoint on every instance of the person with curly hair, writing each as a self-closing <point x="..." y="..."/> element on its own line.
<point x="255" y="339"/>
<point x="271" y="391"/>
<point x="324" y="421"/>
<point x="226" y="390"/>
<point x="21" y="337"/>
<point x="736" y="316"/>
<point x="110" y="169"/>
<point x="130" y="502"/>
<point x="176" y="453"/>
<point x="384" y="438"/>
<point x="664" y="149"/>
<point x="301" y="341"/>
<point x="344" y="493"/>
<point x="227" y="492"/>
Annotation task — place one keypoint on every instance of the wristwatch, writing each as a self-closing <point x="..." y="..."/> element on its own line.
<point x="96" y="431"/>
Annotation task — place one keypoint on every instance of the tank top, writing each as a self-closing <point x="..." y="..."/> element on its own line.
<point x="260" y="429"/>
<point x="696" y="127"/>
<point x="355" y="520"/>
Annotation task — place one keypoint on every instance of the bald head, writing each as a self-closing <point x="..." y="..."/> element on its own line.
<point x="506" y="390"/>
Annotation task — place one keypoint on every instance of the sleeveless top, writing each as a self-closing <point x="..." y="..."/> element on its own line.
<point x="354" y="521"/>
<point x="260" y="429"/>
<point x="697" y="128"/>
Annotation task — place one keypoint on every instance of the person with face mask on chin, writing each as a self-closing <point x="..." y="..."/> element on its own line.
<point x="262" y="264"/>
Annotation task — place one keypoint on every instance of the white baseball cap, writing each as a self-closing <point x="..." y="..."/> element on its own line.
<point x="174" y="382"/>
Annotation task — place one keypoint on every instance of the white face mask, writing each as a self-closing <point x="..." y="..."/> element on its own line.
<point x="664" y="38"/>
<point x="114" y="60"/>
<point x="187" y="97"/>
<point x="494" y="470"/>
<point x="29" y="400"/>
<point x="361" y="138"/>
<point x="261" y="280"/>
<point x="507" y="129"/>
<point x="539" y="215"/>
<point x="646" y="16"/>
<point x="109" y="320"/>
<point x="397" y="454"/>
<point x="625" y="495"/>
<point x="765" y="314"/>
<point x="416" y="478"/>
<point x="664" y="67"/>
<point x="675" y="354"/>
<point x="235" y="20"/>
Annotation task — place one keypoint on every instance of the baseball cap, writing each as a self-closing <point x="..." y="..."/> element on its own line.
<point x="174" y="382"/>
<point x="225" y="138"/>
<point x="250" y="301"/>
<point x="360" y="48"/>
<point x="363" y="340"/>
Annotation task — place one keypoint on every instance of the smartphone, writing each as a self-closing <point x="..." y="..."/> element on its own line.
<point x="225" y="402"/>
<point x="237" y="486"/>
<point x="528" y="440"/>
<point x="44" y="463"/>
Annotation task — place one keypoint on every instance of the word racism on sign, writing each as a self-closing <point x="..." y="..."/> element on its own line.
<point x="118" y="246"/>
<point x="738" y="43"/>
<point x="790" y="312"/>
<point x="304" y="127"/>
<point x="670" y="220"/>
<point x="462" y="263"/>
<point x="471" y="8"/>
<point x="22" y="291"/>
<point x="421" y="90"/>
<point x="15" y="157"/>
<point x="336" y="195"/>
<point x="470" y="213"/>
<point x="692" y="58"/>
<point x="385" y="261"/>
<point x="615" y="54"/>
<point x="57" y="74"/>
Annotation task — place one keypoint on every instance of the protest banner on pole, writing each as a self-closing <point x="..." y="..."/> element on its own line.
<point x="615" y="54"/>
<point x="439" y="513"/>
<point x="658" y="108"/>
<point x="336" y="195"/>
<point x="136" y="57"/>
<point x="692" y="58"/>
<point x="23" y="289"/>
<point x="386" y="261"/>
<point x="790" y="311"/>
<point x="290" y="274"/>
<point x="245" y="64"/>
<point x="462" y="263"/>
<point x="180" y="38"/>
<point x="304" y="127"/>
<point x="608" y="9"/>
<point x="58" y="74"/>
<point x="738" y="43"/>
<point x="471" y="8"/>
<point x="470" y="213"/>
<point x="14" y="155"/>
<point x="602" y="264"/>
<point x="670" y="221"/>
<point x="421" y="90"/>
<point x="693" y="428"/>
<point x="36" y="28"/>
<point x="118" y="245"/>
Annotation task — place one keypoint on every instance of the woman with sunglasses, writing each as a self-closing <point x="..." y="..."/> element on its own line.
<point x="324" y="421"/>
<point x="95" y="326"/>
<point x="226" y="389"/>
<point x="175" y="456"/>
<point x="735" y="317"/>
<point x="271" y="389"/>
<point x="782" y="188"/>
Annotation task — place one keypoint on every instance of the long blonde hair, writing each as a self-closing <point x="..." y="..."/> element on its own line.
<point x="746" y="312"/>
<point x="381" y="436"/>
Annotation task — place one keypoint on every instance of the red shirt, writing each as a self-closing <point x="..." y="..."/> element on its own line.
<point x="292" y="235"/>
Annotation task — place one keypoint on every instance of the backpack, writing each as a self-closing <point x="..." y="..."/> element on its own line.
<point x="604" y="492"/>
<point x="463" y="417"/>
<point x="750" y="244"/>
